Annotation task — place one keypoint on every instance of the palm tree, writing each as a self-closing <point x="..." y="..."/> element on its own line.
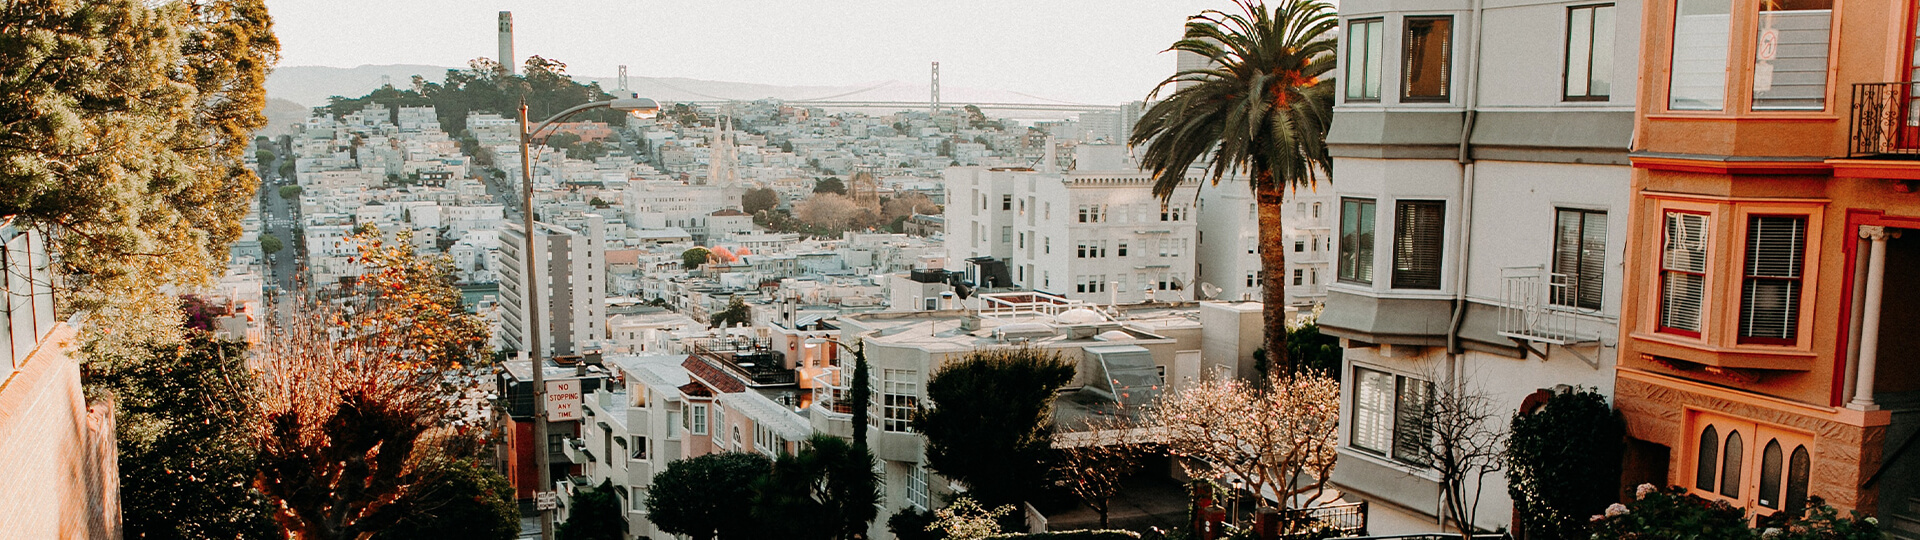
<point x="1261" y="108"/>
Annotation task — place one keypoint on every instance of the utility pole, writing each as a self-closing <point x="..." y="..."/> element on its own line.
<point x="540" y="457"/>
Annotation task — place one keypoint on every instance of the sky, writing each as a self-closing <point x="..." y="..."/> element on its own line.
<point x="1082" y="51"/>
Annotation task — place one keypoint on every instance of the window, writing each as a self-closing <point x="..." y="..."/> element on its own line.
<point x="1389" y="415"/>
<point x="1579" y="258"/>
<point x="639" y="499"/>
<point x="1006" y="233"/>
<point x="1298" y="277"/>
<point x="1700" y="34"/>
<point x="720" y="426"/>
<point x="917" y="486"/>
<point x="698" y="419"/>
<point x="899" y="396"/>
<point x="1251" y="280"/>
<point x="1046" y="244"/>
<point x="1589" y="52"/>
<point x="1356" y="241"/>
<point x="766" y="441"/>
<point x="1121" y="250"/>
<point x="554" y="441"/>
<point x="1732" y="455"/>
<point x="1316" y="210"/>
<point x="1790" y="55"/>
<point x="639" y="450"/>
<point x="1770" y="288"/>
<point x="1299" y="246"/>
<point x="1363" y="59"/>
<point x="1683" y="273"/>
<point x="1419" y="230"/>
<point x="1006" y="201"/>
<point x="1428" y="66"/>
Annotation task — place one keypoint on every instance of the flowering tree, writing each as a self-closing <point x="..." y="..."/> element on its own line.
<point x="1094" y="461"/>
<point x="346" y="430"/>
<point x="1273" y="438"/>
<point x="408" y="301"/>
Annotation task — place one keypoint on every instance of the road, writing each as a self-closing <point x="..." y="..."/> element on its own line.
<point x="280" y="217"/>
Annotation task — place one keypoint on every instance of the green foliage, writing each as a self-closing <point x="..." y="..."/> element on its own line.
<point x="182" y="429"/>
<point x="1820" y="522"/>
<point x="263" y="157"/>
<point x="693" y="258"/>
<point x="287" y="168"/>
<point x="1672" y="514"/>
<point x="467" y="500"/>
<point x="913" y="524"/>
<point x="991" y="424"/>
<point x="485" y="87"/>
<point x="127" y="125"/>
<point x="831" y="184"/>
<point x="385" y="95"/>
<point x="965" y="519"/>
<point x="1071" y="535"/>
<point x="1310" y="350"/>
<point x="270" y="244"/>
<point x="597" y="202"/>
<point x="290" y="192"/>
<point x="1564" y="463"/>
<point x="596" y="514"/>
<point x="737" y="313"/>
<point x="826" y="491"/>
<point x="758" y="200"/>
<point x="706" y="495"/>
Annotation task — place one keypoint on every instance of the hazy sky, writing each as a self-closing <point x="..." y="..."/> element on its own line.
<point x="1094" y="51"/>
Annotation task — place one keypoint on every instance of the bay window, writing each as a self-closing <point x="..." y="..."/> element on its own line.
<point x="1700" y="37"/>
<point x="1771" y="285"/>
<point x="1390" y="415"/>
<point x="1427" y="68"/>
<point x="1790" y="55"/>
<point x="1356" y="241"/>
<point x="1364" y="47"/>
<point x="1419" y="230"/>
<point x="1683" y="273"/>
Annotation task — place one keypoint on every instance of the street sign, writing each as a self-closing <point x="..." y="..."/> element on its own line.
<point x="563" y="400"/>
<point x="545" y="500"/>
<point x="1769" y="44"/>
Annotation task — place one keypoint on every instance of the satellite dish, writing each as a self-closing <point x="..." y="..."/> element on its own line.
<point x="1209" y="291"/>
<point x="1178" y="285"/>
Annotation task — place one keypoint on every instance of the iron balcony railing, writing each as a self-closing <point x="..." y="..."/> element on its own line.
<point x="1531" y="310"/>
<point x="1886" y="120"/>
<point x="1347" y="519"/>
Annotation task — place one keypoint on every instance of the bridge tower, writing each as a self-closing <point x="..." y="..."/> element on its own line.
<point x="624" y="91"/>
<point x="935" y="109"/>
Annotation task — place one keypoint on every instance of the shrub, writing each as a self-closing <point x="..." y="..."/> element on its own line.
<point x="1671" y="514"/>
<point x="1070" y="535"/>
<point x="1563" y="462"/>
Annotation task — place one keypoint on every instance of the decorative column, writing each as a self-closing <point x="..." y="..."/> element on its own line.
<point x="1859" y="303"/>
<point x="1876" y="237"/>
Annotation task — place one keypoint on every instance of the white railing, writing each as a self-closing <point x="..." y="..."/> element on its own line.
<point x="1012" y="304"/>
<point x="1528" y="311"/>
<point x="831" y="392"/>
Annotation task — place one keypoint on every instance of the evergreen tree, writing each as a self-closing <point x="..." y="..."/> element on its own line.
<point x="706" y="496"/>
<point x="826" y="491"/>
<point x="597" y="514"/>
<point x="991" y="425"/>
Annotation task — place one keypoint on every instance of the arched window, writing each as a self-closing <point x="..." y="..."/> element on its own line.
<point x="1730" y="466"/>
<point x="1797" y="469"/>
<point x="1770" y="462"/>
<point x="1708" y="459"/>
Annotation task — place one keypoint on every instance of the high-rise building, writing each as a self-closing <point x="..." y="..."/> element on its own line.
<point x="572" y="283"/>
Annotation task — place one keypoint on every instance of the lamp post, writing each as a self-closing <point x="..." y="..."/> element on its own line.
<point x="639" y="106"/>
<point x="1233" y="515"/>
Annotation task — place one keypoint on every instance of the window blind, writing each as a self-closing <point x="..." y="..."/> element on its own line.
<point x="1419" y="235"/>
<point x="1428" y="67"/>
<point x="1795" y="36"/>
<point x="1770" y="295"/>
<point x="1579" y="257"/>
<point x="1683" y="269"/>
<point x="1411" y="434"/>
<point x="1373" y="411"/>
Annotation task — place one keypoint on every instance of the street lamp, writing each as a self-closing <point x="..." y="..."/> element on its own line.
<point x="1234" y="508"/>
<point x="639" y="107"/>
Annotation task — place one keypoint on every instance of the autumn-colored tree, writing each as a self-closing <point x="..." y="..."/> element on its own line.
<point x="409" y="300"/>
<point x="759" y="200"/>
<point x="1279" y="437"/>
<point x="831" y="212"/>
<point x="348" y="430"/>
<point x="908" y="205"/>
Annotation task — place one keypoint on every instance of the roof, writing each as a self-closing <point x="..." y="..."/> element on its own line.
<point x="728" y="212"/>
<point x="768" y="414"/>
<point x="713" y="376"/>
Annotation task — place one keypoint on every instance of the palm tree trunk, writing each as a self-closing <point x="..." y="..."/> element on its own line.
<point x="1273" y="277"/>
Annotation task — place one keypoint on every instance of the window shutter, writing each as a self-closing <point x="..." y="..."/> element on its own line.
<point x="1683" y="265"/>
<point x="1373" y="410"/>
<point x="1770" y="296"/>
<point x="1419" y="235"/>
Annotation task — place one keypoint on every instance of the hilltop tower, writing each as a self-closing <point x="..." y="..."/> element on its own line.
<point x="506" y="58"/>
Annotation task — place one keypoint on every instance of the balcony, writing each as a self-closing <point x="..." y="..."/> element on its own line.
<point x="1531" y="310"/>
<point x="1886" y="121"/>
<point x="754" y="361"/>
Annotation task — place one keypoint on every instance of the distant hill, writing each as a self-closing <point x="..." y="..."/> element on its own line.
<point x="311" y="85"/>
<point x="281" y="113"/>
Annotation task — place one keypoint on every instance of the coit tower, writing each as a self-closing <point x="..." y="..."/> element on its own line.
<point x="506" y="42"/>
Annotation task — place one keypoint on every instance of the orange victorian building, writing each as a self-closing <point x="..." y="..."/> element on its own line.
<point x="1770" y="330"/>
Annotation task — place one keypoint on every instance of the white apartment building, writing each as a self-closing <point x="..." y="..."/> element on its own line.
<point x="572" y="282"/>
<point x="1229" y="241"/>
<point x="1475" y="189"/>
<point x="1095" y="232"/>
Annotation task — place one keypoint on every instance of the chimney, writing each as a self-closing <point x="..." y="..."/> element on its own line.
<point x="507" y="60"/>
<point x="1051" y="161"/>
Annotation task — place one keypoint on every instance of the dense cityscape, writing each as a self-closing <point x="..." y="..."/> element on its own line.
<point x="1459" y="270"/>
